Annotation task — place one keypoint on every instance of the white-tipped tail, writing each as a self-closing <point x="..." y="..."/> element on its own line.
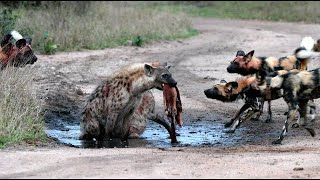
<point x="304" y="54"/>
<point x="16" y="35"/>
<point x="308" y="43"/>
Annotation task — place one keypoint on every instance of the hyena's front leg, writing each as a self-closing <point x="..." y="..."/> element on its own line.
<point x="237" y="115"/>
<point x="89" y="127"/>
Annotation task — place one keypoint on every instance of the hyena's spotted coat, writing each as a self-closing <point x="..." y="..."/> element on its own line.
<point x="121" y="104"/>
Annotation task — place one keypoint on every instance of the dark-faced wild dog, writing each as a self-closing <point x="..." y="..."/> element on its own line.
<point x="245" y="88"/>
<point x="121" y="104"/>
<point x="298" y="89"/>
<point x="16" y="54"/>
<point x="248" y="64"/>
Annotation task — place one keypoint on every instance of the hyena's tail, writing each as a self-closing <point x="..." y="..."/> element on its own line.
<point x="16" y="35"/>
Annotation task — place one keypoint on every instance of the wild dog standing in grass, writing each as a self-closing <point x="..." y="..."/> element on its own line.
<point x="18" y="54"/>
<point x="121" y="104"/>
<point x="298" y="89"/>
<point x="247" y="64"/>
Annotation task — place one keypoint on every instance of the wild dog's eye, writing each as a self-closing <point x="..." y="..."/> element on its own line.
<point x="165" y="75"/>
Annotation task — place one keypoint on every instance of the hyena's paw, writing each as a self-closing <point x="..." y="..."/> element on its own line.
<point x="134" y="136"/>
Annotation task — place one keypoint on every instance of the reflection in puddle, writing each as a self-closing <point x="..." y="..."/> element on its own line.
<point x="200" y="133"/>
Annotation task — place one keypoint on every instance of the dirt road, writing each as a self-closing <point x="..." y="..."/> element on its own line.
<point x="207" y="152"/>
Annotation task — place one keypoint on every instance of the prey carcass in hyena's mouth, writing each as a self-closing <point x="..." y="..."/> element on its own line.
<point x="18" y="53"/>
<point x="120" y="106"/>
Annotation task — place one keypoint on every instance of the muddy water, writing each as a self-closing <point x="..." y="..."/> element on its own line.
<point x="194" y="134"/>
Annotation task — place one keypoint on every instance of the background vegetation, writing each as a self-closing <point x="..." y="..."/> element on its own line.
<point x="20" y="110"/>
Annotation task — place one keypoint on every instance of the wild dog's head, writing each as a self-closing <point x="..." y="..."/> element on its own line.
<point x="25" y="53"/>
<point x="161" y="75"/>
<point x="18" y="54"/>
<point x="316" y="46"/>
<point x="242" y="64"/>
<point x="223" y="91"/>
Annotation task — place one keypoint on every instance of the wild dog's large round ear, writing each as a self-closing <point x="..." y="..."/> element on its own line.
<point x="223" y="81"/>
<point x="148" y="70"/>
<point x="28" y="40"/>
<point x="231" y="86"/>
<point x="6" y="40"/>
<point x="240" y="53"/>
<point x="249" y="55"/>
<point x="21" y="43"/>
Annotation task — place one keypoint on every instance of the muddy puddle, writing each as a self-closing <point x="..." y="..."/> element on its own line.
<point x="195" y="134"/>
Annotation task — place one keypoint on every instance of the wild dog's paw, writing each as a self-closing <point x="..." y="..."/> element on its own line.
<point x="295" y="125"/>
<point x="229" y="131"/>
<point x="228" y="124"/>
<point x="278" y="141"/>
<point x="311" y="131"/>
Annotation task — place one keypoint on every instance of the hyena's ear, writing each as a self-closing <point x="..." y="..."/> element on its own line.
<point x="240" y="53"/>
<point x="248" y="56"/>
<point x="148" y="70"/>
<point x="223" y="81"/>
<point x="21" y="43"/>
<point x="230" y="87"/>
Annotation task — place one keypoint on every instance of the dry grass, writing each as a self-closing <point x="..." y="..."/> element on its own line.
<point x="20" y="117"/>
<point x="100" y="24"/>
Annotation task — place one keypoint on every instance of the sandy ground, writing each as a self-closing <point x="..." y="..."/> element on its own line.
<point x="199" y="62"/>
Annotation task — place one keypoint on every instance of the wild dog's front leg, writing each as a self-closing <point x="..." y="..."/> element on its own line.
<point x="237" y="114"/>
<point x="308" y="126"/>
<point x="238" y="121"/>
<point x="293" y="107"/>
<point x="269" y="118"/>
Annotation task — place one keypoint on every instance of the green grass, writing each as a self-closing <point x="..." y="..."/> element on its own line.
<point x="20" y="118"/>
<point x="290" y="11"/>
<point x="100" y="25"/>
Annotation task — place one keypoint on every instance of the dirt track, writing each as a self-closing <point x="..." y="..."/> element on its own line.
<point x="199" y="62"/>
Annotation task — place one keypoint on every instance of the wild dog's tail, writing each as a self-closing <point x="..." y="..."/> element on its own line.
<point x="308" y="42"/>
<point x="16" y="35"/>
<point x="306" y="49"/>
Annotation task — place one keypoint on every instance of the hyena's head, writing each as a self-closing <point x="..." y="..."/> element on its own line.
<point x="241" y="64"/>
<point x="160" y="75"/>
<point x="223" y="91"/>
<point x="25" y="53"/>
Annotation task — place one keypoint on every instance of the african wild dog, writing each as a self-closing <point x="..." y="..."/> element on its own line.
<point x="121" y="104"/>
<point x="247" y="64"/>
<point x="298" y="89"/>
<point x="245" y="87"/>
<point x="16" y="54"/>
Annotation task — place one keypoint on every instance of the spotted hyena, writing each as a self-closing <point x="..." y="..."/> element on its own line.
<point x="120" y="106"/>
